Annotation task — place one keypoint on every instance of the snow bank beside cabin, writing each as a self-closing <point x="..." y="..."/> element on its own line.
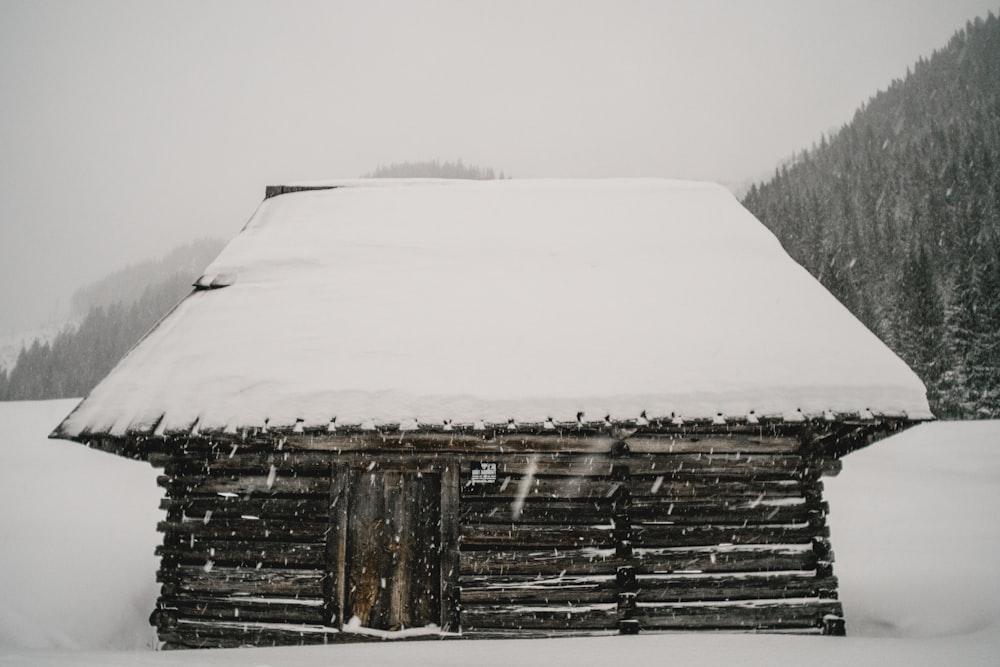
<point x="915" y="523"/>
<point x="77" y="535"/>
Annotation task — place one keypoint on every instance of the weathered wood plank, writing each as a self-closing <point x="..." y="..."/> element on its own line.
<point x="451" y="442"/>
<point x="758" y="558"/>
<point x="450" y="549"/>
<point x="247" y="529"/>
<point x="736" y="616"/>
<point x="199" y="634"/>
<point x="202" y="634"/>
<point x="237" y="581"/>
<point x="718" y="490"/>
<point x="554" y="462"/>
<point x="576" y="596"/>
<point x="243" y="553"/>
<point x="247" y="610"/>
<point x="648" y="535"/>
<point x="241" y="486"/>
<point x="302" y="509"/>
<point x="713" y="444"/>
<point x="534" y="590"/>
<point x="251" y="463"/>
<point x="549" y="562"/>
<point x="530" y="536"/>
<point x="475" y="511"/>
<point x="746" y="465"/>
<point x="548" y="617"/>
<point x="335" y="584"/>
<point x="688" y="588"/>
<point x="679" y="513"/>
<point x="537" y="633"/>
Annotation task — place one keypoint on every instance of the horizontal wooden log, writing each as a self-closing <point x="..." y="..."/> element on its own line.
<point x="712" y="444"/>
<point x="576" y="596"/>
<point x="317" y="464"/>
<point x="735" y="440"/>
<point x="213" y="635"/>
<point x="244" y="486"/>
<point x="301" y="509"/>
<point x="549" y="562"/>
<point x="452" y="442"/>
<point x="729" y="587"/>
<point x="736" y="616"/>
<point x="694" y="513"/>
<point x="243" y="553"/>
<point x="717" y="490"/>
<point x="237" y="581"/>
<point x="533" y="590"/>
<point x="545" y="511"/>
<point x="528" y="633"/>
<point x="540" y="617"/>
<point x="728" y="559"/>
<point x="552" y="562"/>
<point x="555" y="462"/>
<point x="473" y="511"/>
<point x="247" y="529"/>
<point x="648" y="535"/>
<point x="530" y="536"/>
<point x="740" y="466"/>
<point x="238" y="611"/>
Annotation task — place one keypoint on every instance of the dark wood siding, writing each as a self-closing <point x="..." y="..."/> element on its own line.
<point x="276" y="540"/>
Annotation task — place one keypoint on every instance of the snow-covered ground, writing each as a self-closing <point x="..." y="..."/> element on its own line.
<point x="914" y="523"/>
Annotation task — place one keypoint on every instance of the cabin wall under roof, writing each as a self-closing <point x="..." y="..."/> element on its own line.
<point x="283" y="539"/>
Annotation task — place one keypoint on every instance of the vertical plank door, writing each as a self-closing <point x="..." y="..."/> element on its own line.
<point x="393" y="558"/>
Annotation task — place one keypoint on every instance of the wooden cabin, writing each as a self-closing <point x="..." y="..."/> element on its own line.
<point x="400" y="409"/>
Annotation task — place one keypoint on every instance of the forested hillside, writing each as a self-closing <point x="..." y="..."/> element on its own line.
<point x="79" y="356"/>
<point x="898" y="214"/>
<point x="127" y="285"/>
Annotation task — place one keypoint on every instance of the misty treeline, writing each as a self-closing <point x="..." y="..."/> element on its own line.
<point x="435" y="169"/>
<point x="119" y="309"/>
<point x="898" y="215"/>
<point x="127" y="285"/>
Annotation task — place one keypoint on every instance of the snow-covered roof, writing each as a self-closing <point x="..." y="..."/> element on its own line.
<point x="418" y="302"/>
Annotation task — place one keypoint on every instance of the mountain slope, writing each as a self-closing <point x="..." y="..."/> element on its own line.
<point x="898" y="214"/>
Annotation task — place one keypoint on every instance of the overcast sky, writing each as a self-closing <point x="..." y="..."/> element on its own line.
<point x="130" y="127"/>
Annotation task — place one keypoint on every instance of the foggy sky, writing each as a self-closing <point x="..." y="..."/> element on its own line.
<point x="130" y="127"/>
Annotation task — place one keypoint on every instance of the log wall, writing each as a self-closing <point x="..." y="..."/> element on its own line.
<point x="573" y="535"/>
<point x="244" y="554"/>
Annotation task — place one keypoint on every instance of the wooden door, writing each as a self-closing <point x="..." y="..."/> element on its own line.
<point x="392" y="549"/>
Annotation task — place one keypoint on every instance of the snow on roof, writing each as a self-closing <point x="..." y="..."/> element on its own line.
<point x="425" y="301"/>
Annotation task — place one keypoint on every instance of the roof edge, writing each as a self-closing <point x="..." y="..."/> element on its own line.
<point x="820" y="436"/>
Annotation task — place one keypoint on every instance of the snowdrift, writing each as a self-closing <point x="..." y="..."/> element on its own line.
<point x="913" y="520"/>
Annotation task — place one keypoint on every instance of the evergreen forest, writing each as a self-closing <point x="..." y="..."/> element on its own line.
<point x="898" y="215"/>
<point x="119" y="310"/>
